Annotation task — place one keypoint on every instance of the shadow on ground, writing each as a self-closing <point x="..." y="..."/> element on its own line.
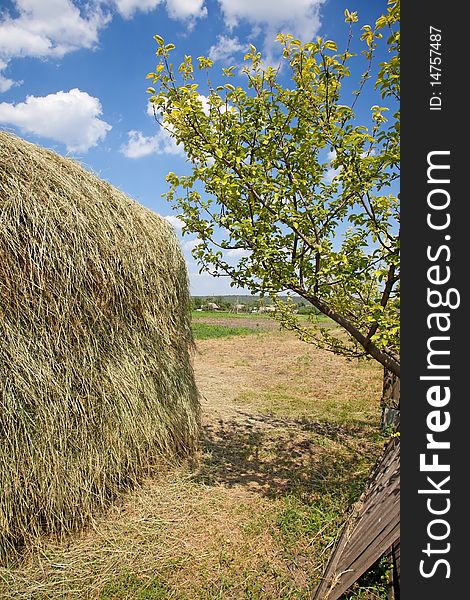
<point x="276" y="456"/>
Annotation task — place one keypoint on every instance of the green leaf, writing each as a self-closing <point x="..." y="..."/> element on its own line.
<point x="330" y="45"/>
<point x="350" y="17"/>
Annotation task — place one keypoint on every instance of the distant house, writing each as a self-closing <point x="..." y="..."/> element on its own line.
<point x="238" y="308"/>
<point x="212" y="306"/>
<point x="267" y="309"/>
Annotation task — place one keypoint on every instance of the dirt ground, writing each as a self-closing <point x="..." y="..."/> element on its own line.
<point x="229" y="369"/>
<point x="262" y="324"/>
<point x="265" y="397"/>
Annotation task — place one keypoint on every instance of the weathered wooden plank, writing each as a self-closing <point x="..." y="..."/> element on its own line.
<point x="363" y="562"/>
<point x="372" y="527"/>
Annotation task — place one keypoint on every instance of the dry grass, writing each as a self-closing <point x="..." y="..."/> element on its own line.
<point x="195" y="541"/>
<point x="254" y="514"/>
<point x="95" y="372"/>
<point x="278" y="375"/>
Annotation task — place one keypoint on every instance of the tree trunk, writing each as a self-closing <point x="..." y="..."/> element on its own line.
<point x="390" y="401"/>
<point x="384" y="358"/>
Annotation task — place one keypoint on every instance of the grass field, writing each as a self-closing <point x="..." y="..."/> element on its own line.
<point x="206" y="331"/>
<point x="289" y="434"/>
<point x="218" y="324"/>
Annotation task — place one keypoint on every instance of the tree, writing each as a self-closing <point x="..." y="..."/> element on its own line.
<point x="262" y="158"/>
<point x="196" y="302"/>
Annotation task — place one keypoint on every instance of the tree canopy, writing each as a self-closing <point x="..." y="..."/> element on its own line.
<point x="288" y="176"/>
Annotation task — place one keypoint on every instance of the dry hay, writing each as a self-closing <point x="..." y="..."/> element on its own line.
<point x="96" y="379"/>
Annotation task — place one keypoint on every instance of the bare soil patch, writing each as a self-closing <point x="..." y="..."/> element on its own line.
<point x="263" y="324"/>
<point x="265" y="408"/>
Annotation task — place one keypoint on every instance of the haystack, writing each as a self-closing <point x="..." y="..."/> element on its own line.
<point x="96" y="381"/>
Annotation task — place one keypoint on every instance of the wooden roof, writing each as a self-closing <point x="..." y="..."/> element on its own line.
<point x="372" y="527"/>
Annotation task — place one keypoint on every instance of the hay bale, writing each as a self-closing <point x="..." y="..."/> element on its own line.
<point x="96" y="379"/>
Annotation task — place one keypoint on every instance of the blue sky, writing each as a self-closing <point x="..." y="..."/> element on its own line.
<point x="72" y="77"/>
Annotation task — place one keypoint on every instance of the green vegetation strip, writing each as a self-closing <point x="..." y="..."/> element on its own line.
<point x="204" y="331"/>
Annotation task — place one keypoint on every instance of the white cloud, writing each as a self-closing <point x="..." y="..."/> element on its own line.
<point x="186" y="9"/>
<point x="301" y="13"/>
<point x="127" y="8"/>
<point x="150" y="108"/>
<point x="49" y="28"/>
<point x="178" y="224"/>
<point x="189" y="245"/>
<point x="331" y="173"/>
<point x="205" y="284"/>
<point x="138" y="145"/>
<point x="5" y="83"/>
<point x="301" y="18"/>
<point x="176" y="9"/>
<point x="204" y="100"/>
<point x="225" y="48"/>
<point x="67" y="117"/>
<point x="238" y="253"/>
<point x="44" y="28"/>
<point x="53" y="28"/>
